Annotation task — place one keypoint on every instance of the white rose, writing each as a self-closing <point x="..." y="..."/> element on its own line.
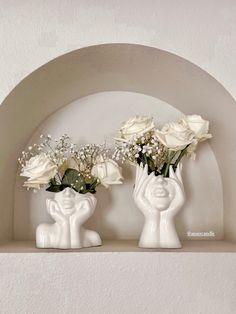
<point x="198" y="125"/>
<point x="136" y="126"/>
<point x="200" y="128"/>
<point x="39" y="169"/>
<point x="108" y="172"/>
<point x="175" y="136"/>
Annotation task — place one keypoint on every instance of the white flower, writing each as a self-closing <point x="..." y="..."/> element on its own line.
<point x="137" y="125"/>
<point x="198" y="125"/>
<point x="39" y="170"/>
<point x="175" y="136"/>
<point x="108" y="172"/>
<point x="200" y="128"/>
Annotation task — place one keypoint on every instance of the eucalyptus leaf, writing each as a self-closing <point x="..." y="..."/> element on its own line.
<point x="54" y="188"/>
<point x="72" y="178"/>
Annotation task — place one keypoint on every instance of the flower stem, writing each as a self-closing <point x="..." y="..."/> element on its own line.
<point x="172" y="155"/>
<point x="181" y="155"/>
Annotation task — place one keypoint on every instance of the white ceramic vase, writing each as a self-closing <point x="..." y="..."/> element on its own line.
<point x="70" y="210"/>
<point x="159" y="199"/>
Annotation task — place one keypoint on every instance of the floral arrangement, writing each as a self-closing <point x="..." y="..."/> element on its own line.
<point x="141" y="142"/>
<point x="58" y="164"/>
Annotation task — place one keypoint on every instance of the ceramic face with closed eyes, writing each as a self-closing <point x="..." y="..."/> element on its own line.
<point x="160" y="192"/>
<point x="70" y="203"/>
<point x="67" y="201"/>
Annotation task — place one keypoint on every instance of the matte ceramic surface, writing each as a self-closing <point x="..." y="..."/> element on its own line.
<point x="159" y="199"/>
<point x="70" y="210"/>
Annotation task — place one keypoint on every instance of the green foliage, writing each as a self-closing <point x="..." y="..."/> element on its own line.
<point x="73" y="179"/>
<point x="174" y="157"/>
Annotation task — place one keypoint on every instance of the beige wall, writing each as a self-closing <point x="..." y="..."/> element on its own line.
<point x="33" y="33"/>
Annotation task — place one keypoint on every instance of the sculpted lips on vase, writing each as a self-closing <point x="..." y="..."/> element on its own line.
<point x="160" y="192"/>
<point x="68" y="203"/>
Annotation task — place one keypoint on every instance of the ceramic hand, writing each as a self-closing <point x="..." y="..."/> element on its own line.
<point x="84" y="209"/>
<point x="141" y="182"/>
<point x="179" y="198"/>
<point x="54" y="211"/>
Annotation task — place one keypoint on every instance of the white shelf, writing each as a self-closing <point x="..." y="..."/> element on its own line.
<point x="123" y="246"/>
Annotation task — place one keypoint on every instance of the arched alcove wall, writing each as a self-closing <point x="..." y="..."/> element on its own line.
<point x="116" y="67"/>
<point x="95" y="118"/>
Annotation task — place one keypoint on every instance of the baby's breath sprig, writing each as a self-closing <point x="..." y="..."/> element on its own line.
<point x="89" y="155"/>
<point x="59" y="164"/>
<point x="145" y="149"/>
<point x="58" y="151"/>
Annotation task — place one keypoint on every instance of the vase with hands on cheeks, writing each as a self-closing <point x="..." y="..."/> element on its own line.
<point x="70" y="210"/>
<point x="72" y="174"/>
<point x="159" y="199"/>
<point x="157" y="153"/>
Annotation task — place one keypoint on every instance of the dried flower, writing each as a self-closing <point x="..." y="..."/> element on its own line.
<point x="145" y="149"/>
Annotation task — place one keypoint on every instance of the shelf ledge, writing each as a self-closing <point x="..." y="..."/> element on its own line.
<point x="123" y="246"/>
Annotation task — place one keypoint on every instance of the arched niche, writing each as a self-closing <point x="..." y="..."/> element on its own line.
<point x="115" y="67"/>
<point x="95" y="119"/>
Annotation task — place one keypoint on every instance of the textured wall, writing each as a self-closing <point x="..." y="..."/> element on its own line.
<point x="118" y="283"/>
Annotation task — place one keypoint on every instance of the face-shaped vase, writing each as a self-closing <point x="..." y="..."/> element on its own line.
<point x="160" y="192"/>
<point x="66" y="200"/>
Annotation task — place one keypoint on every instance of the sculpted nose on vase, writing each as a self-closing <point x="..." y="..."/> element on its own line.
<point x="160" y="179"/>
<point x="68" y="192"/>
